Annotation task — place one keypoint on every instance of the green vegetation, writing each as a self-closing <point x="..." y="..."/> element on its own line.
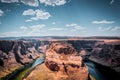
<point x="22" y="74"/>
<point x="4" y="73"/>
<point x="91" y="77"/>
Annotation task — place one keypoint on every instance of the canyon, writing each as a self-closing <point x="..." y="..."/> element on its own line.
<point x="15" y="54"/>
<point x="64" y="58"/>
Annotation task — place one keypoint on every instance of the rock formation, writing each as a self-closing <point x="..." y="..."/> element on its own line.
<point x="64" y="63"/>
<point x="14" y="54"/>
<point x="107" y="54"/>
<point x="63" y="59"/>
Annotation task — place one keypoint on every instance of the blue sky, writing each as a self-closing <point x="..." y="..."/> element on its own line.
<point x="59" y="18"/>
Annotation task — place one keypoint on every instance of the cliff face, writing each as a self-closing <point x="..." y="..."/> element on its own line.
<point x="108" y="54"/>
<point x="63" y="59"/>
<point x="14" y="54"/>
<point x="25" y="51"/>
<point x="104" y="52"/>
<point x="83" y="44"/>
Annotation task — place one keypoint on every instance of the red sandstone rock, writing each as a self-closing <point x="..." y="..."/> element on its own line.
<point x="62" y="58"/>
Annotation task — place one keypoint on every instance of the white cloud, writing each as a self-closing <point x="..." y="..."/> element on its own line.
<point x="68" y="25"/>
<point x="53" y="2"/>
<point x="41" y="15"/>
<point x="37" y="27"/>
<point x="17" y="4"/>
<point x="9" y="1"/>
<point x="56" y="29"/>
<point x="37" y="14"/>
<point x="79" y="27"/>
<point x="34" y="30"/>
<point x="23" y="28"/>
<point x="105" y="28"/>
<point x="33" y="27"/>
<point x="29" y="12"/>
<point x="28" y="20"/>
<point x="73" y="30"/>
<point x="69" y="1"/>
<point x="103" y="22"/>
<point x="115" y="28"/>
<point x="75" y="26"/>
<point x="53" y="23"/>
<point x="112" y="1"/>
<point x="34" y="3"/>
<point x="1" y="12"/>
<point x="10" y="34"/>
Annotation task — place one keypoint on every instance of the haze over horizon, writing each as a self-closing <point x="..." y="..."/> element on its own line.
<point x="59" y="18"/>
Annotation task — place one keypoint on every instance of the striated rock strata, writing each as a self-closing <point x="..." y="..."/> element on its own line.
<point x="62" y="63"/>
<point x="63" y="59"/>
<point x="107" y="54"/>
<point x="14" y="54"/>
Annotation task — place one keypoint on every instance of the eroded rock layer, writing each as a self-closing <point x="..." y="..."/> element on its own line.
<point x="14" y="54"/>
<point x="63" y="59"/>
<point x="107" y="54"/>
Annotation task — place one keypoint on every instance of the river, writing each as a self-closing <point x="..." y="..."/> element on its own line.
<point x="94" y="72"/>
<point x="19" y="75"/>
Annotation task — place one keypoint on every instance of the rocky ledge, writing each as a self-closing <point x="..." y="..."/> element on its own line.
<point x="107" y="54"/>
<point x="15" y="54"/>
<point x="62" y="62"/>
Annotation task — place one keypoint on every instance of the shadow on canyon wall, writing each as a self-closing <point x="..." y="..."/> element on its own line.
<point x="17" y="53"/>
